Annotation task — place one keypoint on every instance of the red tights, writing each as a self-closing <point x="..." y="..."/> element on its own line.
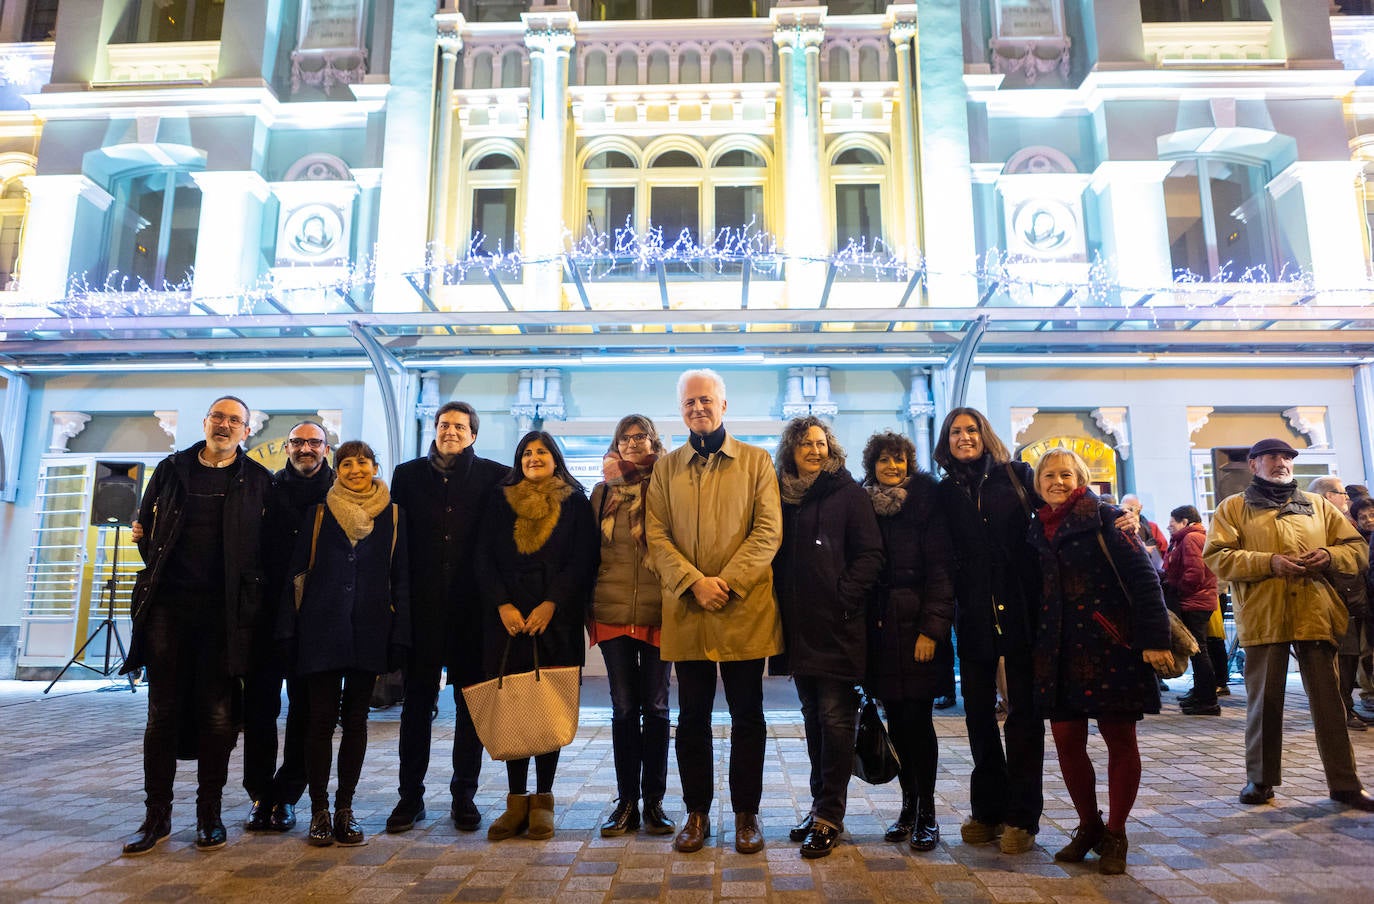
<point x="1123" y="768"/>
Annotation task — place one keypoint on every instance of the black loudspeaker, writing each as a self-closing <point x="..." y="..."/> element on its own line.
<point x="1230" y="471"/>
<point x="115" y="501"/>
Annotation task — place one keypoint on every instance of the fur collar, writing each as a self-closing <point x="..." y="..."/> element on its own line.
<point x="537" y="507"/>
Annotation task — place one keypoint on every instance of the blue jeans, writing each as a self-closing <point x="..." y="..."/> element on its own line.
<point x="829" y="710"/>
<point x="639" y="717"/>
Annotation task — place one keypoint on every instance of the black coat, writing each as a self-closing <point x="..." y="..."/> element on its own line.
<point x="443" y="514"/>
<point x="915" y="596"/>
<point x="160" y="514"/>
<point x="1090" y="633"/>
<point x="356" y="605"/>
<point x="996" y="572"/>
<point x="562" y="571"/>
<point x="291" y="501"/>
<point x="831" y="554"/>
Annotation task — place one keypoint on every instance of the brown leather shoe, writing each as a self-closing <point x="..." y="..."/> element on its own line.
<point x="748" y="836"/>
<point x="694" y="833"/>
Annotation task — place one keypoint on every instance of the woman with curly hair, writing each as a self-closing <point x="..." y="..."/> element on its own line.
<point x="830" y="556"/>
<point x="536" y="560"/>
<point x="910" y="611"/>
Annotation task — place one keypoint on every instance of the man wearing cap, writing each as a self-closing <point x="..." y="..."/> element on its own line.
<point x="1277" y="545"/>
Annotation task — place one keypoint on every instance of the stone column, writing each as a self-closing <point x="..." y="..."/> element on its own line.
<point x="65" y="425"/>
<point x="539" y="397"/>
<point x="1302" y="33"/>
<point x="1135" y="226"/>
<point x="427" y="407"/>
<point x="798" y="30"/>
<point x="1113" y="33"/>
<point x="1331" y="216"/>
<point x="920" y="412"/>
<point x="14" y="420"/>
<point x="49" y="232"/>
<point x="231" y="205"/>
<point x="901" y="31"/>
<point x="450" y="43"/>
<point x="549" y="37"/>
<point x="808" y="392"/>
<point x="369" y="182"/>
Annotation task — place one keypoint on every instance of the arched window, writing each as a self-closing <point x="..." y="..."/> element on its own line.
<point x="155" y="221"/>
<point x="495" y="182"/>
<point x="612" y="178"/>
<point x="722" y="66"/>
<point x="659" y="67"/>
<point x="14" y="204"/>
<point x="858" y="176"/>
<point x="738" y="179"/>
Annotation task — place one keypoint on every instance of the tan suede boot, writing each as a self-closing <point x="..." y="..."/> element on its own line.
<point x="513" y="821"/>
<point x="541" y="817"/>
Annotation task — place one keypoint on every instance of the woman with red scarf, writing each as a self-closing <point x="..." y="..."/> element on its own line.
<point x="1101" y="630"/>
<point x="626" y="617"/>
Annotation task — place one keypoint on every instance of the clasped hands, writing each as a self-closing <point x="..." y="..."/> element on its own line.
<point x="535" y="623"/>
<point x="1305" y="565"/>
<point x="711" y="593"/>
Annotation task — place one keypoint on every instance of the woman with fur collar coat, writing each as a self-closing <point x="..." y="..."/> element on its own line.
<point x="536" y="561"/>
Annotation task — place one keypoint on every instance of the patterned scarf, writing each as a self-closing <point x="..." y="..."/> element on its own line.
<point x="794" y="486"/>
<point x="355" y="511"/>
<point x="888" y="501"/>
<point x="1051" y="517"/>
<point x="625" y="484"/>
<point x="537" y="507"/>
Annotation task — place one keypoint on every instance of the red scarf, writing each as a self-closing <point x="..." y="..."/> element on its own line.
<point x="1051" y="517"/>
<point x="625" y="483"/>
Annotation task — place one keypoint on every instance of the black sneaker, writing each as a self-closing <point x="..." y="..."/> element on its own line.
<point x="405" y="815"/>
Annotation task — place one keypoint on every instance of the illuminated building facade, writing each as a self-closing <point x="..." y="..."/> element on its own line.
<point x="1137" y="226"/>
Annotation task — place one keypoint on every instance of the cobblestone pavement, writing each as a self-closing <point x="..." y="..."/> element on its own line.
<point x="71" y="775"/>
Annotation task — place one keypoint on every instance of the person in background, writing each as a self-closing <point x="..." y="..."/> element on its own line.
<point x="910" y="613"/>
<point x="1278" y="546"/>
<point x="987" y="501"/>
<point x="1102" y="631"/>
<point x="1355" y="594"/>
<point x="831" y="554"/>
<point x="443" y="494"/>
<point x="714" y="523"/>
<point x="296" y="489"/>
<point x="353" y="624"/>
<point x="195" y="613"/>
<point x="1362" y="513"/>
<point x="627" y="622"/>
<point x="1195" y="588"/>
<point x="536" y="561"/>
<point x="1156" y="544"/>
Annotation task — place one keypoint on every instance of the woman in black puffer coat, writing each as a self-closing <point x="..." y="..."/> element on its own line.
<point x="831" y="554"/>
<point x="910" y="658"/>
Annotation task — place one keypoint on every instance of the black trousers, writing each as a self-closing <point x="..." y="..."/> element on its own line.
<point x="262" y="779"/>
<point x="1006" y="785"/>
<point x="829" y="712"/>
<point x="336" y="697"/>
<point x="911" y="727"/>
<point x="186" y="681"/>
<point x="1204" y="679"/>
<point x="421" y="693"/>
<point x="696" y="692"/>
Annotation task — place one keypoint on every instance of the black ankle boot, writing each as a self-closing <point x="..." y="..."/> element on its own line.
<point x="926" y="835"/>
<point x="156" y="826"/>
<point x="900" y="830"/>
<point x="209" y="826"/>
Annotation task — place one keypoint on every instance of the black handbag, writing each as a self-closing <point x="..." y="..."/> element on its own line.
<point x="875" y="759"/>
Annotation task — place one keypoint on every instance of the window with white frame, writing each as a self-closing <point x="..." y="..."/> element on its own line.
<point x="154" y="222"/>
<point x="612" y="178"/>
<point x="858" y="176"/>
<point x="494" y="181"/>
<point x="1221" y="218"/>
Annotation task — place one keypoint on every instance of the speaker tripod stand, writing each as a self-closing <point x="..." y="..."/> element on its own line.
<point x="107" y="624"/>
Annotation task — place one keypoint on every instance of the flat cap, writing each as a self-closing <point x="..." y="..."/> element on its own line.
<point x="1271" y="446"/>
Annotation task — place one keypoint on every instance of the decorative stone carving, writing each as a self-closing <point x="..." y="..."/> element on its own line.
<point x="808" y="392"/>
<point x="539" y="396"/>
<point x="1112" y="421"/>
<point x="167" y="420"/>
<point x="256" y="420"/>
<point x="330" y="49"/>
<point x="331" y="419"/>
<point x="1028" y="37"/>
<point x="1021" y="419"/>
<point x="65" y="425"/>
<point x="1197" y="419"/>
<point x="1310" y="421"/>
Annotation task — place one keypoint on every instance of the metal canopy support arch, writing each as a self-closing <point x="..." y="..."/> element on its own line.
<point x="951" y="381"/>
<point x="384" y="365"/>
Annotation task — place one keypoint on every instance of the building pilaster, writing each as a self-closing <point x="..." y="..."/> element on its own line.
<point x="798" y="30"/>
<point x="549" y="37"/>
<point x="49" y="230"/>
<point x="231" y="205"/>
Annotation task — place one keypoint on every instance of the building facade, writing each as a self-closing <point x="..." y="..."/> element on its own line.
<point x="1138" y="227"/>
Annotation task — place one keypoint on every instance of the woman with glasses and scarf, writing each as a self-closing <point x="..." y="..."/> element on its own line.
<point x="626" y="621"/>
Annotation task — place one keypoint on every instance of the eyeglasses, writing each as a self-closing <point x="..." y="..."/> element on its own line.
<point x="296" y="442"/>
<point x="219" y="417"/>
<point x="634" y="439"/>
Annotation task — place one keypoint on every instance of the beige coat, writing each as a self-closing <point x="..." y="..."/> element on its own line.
<point x="721" y="518"/>
<point x="1270" y="609"/>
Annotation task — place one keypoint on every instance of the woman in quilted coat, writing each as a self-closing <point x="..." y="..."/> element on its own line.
<point x="1102" y="628"/>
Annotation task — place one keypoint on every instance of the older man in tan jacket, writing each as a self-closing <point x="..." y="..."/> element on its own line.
<point x="713" y="521"/>
<point x="1277" y="545"/>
